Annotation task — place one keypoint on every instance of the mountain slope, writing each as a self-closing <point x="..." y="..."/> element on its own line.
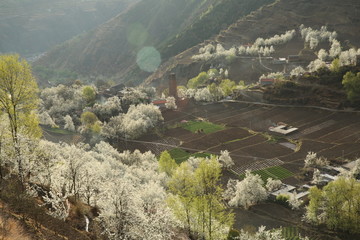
<point x="342" y="17"/>
<point x="33" y="26"/>
<point x="164" y="25"/>
<point x="218" y="17"/>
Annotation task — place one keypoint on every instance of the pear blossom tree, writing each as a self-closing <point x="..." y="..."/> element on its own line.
<point x="273" y="184"/>
<point x="111" y="107"/>
<point x="355" y="171"/>
<point x="5" y="145"/>
<point x="135" y="96"/>
<point x="263" y="234"/>
<point x="335" y="49"/>
<point x="127" y="187"/>
<point x="69" y="124"/>
<point x="181" y="90"/>
<point x="316" y="176"/>
<point x="45" y="119"/>
<point x="230" y="190"/>
<point x="294" y="202"/>
<point x="275" y="75"/>
<point x="170" y="103"/>
<point x="63" y="100"/>
<point x="312" y="160"/>
<point x="297" y="71"/>
<point x="316" y="65"/>
<point x="249" y="191"/>
<point x="261" y="46"/>
<point x="203" y="95"/>
<point x="314" y="36"/>
<point x="225" y="159"/>
<point x="276" y="39"/>
<point x="113" y="129"/>
<point x="322" y="54"/>
<point x="348" y="57"/>
<point x="137" y="121"/>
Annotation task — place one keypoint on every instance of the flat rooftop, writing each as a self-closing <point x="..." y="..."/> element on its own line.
<point x="283" y="129"/>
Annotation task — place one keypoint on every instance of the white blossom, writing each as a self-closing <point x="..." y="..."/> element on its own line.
<point x="111" y="107"/>
<point x="297" y="71"/>
<point x="203" y="94"/>
<point x="137" y="121"/>
<point x="314" y="37"/>
<point x="293" y="201"/>
<point x="335" y="49"/>
<point x="170" y="103"/>
<point x="69" y="124"/>
<point x="249" y="191"/>
<point x="46" y="119"/>
<point x="312" y="160"/>
<point x="62" y="100"/>
<point x="276" y="39"/>
<point x="225" y="159"/>
<point x="322" y="55"/>
<point x="316" y="65"/>
<point x="348" y="57"/>
<point x="316" y="176"/>
<point x="273" y="184"/>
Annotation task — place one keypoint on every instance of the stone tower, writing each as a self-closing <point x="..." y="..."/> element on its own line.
<point x="172" y="86"/>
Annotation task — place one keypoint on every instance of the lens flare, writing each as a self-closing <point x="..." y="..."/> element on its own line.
<point x="148" y="59"/>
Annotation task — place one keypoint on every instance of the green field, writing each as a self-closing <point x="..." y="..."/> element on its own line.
<point x="57" y="130"/>
<point x="276" y="172"/>
<point x="205" y="127"/>
<point x="290" y="233"/>
<point x="181" y="155"/>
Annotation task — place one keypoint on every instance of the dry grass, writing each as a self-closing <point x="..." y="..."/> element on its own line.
<point x="11" y="229"/>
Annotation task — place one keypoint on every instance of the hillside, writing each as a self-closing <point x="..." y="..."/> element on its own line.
<point x="165" y="26"/>
<point x="31" y="27"/>
<point x="342" y="17"/>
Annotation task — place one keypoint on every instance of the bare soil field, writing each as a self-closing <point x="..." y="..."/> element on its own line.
<point x="321" y="131"/>
<point x="334" y="135"/>
<point x="208" y="141"/>
<point x="238" y="144"/>
<point x="268" y="150"/>
<point x="342" y="135"/>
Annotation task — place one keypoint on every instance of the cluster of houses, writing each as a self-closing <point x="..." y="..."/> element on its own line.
<point x="327" y="174"/>
<point x="280" y="61"/>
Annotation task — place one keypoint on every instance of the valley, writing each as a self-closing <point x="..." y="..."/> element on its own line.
<point x="179" y="120"/>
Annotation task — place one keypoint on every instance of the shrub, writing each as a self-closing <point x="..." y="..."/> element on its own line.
<point x="283" y="199"/>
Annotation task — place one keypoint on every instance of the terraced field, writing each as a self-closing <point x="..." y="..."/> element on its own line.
<point x="242" y="129"/>
<point x="335" y="135"/>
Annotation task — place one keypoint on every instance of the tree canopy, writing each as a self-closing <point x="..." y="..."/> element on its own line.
<point x="18" y="99"/>
<point x="89" y="94"/>
<point x="337" y="205"/>
<point x="18" y="93"/>
<point x="351" y="83"/>
<point x="195" y="199"/>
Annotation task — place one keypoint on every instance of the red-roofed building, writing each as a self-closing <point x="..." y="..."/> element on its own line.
<point x="159" y="103"/>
